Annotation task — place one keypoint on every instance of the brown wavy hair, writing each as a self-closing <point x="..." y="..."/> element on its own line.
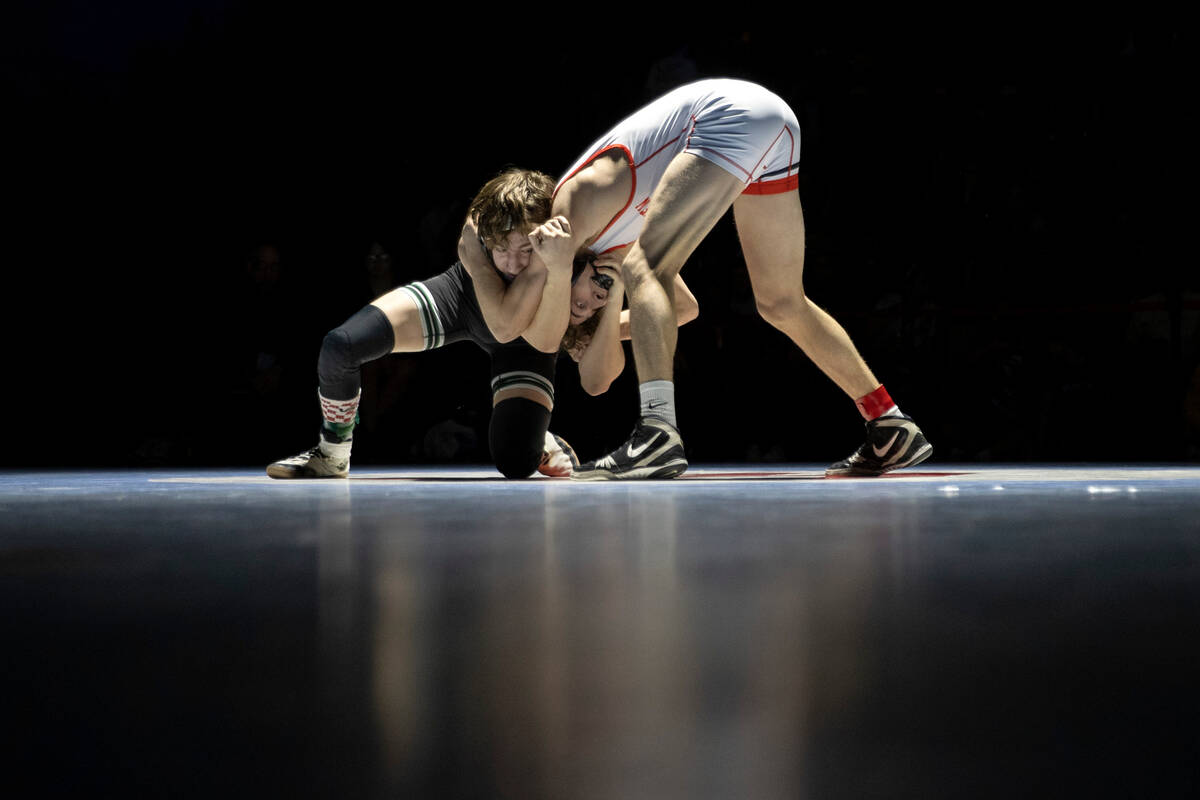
<point x="581" y="334"/>
<point x="515" y="200"/>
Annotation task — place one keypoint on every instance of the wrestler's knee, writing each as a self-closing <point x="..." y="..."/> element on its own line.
<point x="364" y="337"/>
<point x="637" y="272"/>
<point x="517" y="436"/>
<point x="780" y="307"/>
<point x="337" y="355"/>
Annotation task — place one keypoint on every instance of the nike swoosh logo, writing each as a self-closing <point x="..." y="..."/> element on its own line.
<point x="879" y="451"/>
<point x="652" y="405"/>
<point x="634" y="452"/>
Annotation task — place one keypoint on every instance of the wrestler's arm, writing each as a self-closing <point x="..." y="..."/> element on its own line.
<point x="686" y="307"/>
<point x="554" y="247"/>
<point x="586" y="203"/>
<point x="508" y="309"/>
<point x="603" y="358"/>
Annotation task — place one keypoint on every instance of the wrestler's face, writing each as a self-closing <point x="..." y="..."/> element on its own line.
<point x="512" y="256"/>
<point x="587" y="297"/>
<point x="379" y="261"/>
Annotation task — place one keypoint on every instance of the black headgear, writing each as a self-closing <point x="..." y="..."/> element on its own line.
<point x="582" y="260"/>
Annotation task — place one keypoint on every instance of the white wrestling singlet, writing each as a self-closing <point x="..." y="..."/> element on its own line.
<point x="739" y="126"/>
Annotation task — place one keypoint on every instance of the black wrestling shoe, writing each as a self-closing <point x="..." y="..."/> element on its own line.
<point x="654" y="450"/>
<point x="892" y="443"/>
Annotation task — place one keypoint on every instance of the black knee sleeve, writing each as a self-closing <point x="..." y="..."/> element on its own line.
<point x="517" y="433"/>
<point x="364" y="337"/>
<point x="517" y="436"/>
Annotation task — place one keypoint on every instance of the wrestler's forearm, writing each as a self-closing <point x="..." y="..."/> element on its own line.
<point x="489" y="292"/>
<point x="508" y="308"/>
<point x="604" y="358"/>
<point x="489" y="288"/>
<point x="553" y="313"/>
<point x="521" y="299"/>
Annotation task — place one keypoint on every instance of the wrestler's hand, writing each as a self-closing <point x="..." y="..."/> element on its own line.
<point x="609" y="271"/>
<point x="553" y="242"/>
<point x="609" y="263"/>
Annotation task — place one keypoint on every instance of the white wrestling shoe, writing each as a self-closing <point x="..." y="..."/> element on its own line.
<point x="326" y="460"/>
<point x="558" y="457"/>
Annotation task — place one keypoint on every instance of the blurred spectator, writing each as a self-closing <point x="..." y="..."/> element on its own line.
<point x="272" y="384"/>
<point x="438" y="233"/>
<point x="1190" y="341"/>
<point x="1191" y="412"/>
<point x="264" y="271"/>
<point x="380" y="277"/>
<point x="387" y="383"/>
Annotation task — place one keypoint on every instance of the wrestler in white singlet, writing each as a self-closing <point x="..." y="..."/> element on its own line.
<point x="743" y="128"/>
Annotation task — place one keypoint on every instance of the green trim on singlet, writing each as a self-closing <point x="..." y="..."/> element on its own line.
<point x="431" y="323"/>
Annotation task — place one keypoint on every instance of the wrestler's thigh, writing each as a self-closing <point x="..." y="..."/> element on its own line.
<point x="771" y="230"/>
<point x="691" y="198"/>
<point x="401" y="310"/>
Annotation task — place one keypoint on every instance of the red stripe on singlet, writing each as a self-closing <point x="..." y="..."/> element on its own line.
<point x="779" y="185"/>
<point x="587" y="163"/>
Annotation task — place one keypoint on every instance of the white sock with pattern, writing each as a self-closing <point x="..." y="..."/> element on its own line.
<point x="340" y="417"/>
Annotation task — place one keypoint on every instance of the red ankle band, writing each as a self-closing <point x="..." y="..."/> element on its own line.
<point x="875" y="404"/>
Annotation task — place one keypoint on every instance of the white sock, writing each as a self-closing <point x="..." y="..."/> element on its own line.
<point x="338" y="450"/>
<point x="658" y="400"/>
<point x="340" y="417"/>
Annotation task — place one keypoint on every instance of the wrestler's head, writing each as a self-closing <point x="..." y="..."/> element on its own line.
<point x="506" y="209"/>
<point x="590" y="289"/>
<point x="592" y="286"/>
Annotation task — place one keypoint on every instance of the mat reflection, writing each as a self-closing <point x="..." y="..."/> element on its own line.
<point x="581" y="636"/>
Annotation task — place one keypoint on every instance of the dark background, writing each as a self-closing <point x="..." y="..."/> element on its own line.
<point x="995" y="213"/>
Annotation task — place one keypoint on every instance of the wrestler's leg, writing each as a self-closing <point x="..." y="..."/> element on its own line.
<point x="771" y="229"/>
<point x="395" y="322"/>
<point x="392" y="323"/>
<point x="402" y="311"/>
<point x="691" y="198"/>
<point x="522" y="399"/>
